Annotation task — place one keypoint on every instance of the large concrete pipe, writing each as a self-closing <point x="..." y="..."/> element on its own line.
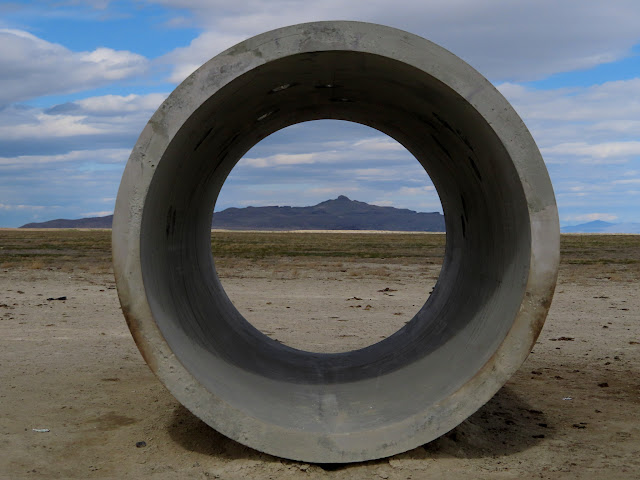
<point x="473" y="332"/>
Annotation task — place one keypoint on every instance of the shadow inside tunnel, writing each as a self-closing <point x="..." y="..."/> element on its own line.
<point x="505" y="425"/>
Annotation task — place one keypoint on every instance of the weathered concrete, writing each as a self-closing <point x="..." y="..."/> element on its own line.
<point x="474" y="331"/>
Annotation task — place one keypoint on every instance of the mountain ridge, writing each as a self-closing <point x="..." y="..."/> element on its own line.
<point x="340" y="213"/>
<point x="600" y="226"/>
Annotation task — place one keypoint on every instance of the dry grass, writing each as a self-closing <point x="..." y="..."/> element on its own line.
<point x="36" y="265"/>
<point x="66" y="250"/>
<point x="287" y="255"/>
<point x="585" y="258"/>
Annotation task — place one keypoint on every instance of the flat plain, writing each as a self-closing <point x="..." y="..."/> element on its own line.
<point x="76" y="396"/>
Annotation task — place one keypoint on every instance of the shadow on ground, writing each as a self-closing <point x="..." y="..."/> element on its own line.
<point x="504" y="426"/>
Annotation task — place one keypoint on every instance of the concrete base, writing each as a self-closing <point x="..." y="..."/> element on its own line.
<point x="476" y="328"/>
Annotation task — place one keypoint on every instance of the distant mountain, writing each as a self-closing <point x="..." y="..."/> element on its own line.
<point x="338" y="214"/>
<point x="92" y="222"/>
<point x="598" y="226"/>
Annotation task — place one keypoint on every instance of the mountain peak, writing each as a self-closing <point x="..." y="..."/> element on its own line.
<point x="341" y="213"/>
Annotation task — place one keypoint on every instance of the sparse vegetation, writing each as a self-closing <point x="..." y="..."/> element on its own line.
<point x="586" y="257"/>
<point x="56" y="249"/>
<point x="582" y="256"/>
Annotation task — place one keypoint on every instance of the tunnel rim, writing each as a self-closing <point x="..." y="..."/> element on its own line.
<point x="164" y="363"/>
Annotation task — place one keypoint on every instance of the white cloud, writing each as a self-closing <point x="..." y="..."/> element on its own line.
<point x="78" y="157"/>
<point x="503" y="39"/>
<point x="186" y="60"/>
<point x="95" y="116"/>
<point x="4" y="206"/>
<point x="427" y="189"/>
<point x="609" y="106"/>
<point x="101" y="213"/>
<point x="339" y="190"/>
<point x="383" y="203"/>
<point x="373" y="173"/>
<point x="590" y="217"/>
<point x="627" y="181"/>
<point x="600" y="150"/>
<point x="378" y="144"/>
<point x="282" y="159"/>
<point x="49" y="126"/>
<point x="359" y="151"/>
<point x="33" y="67"/>
<point x="119" y="104"/>
<point x="595" y="125"/>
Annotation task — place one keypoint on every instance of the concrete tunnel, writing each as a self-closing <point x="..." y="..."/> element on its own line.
<point x="471" y="335"/>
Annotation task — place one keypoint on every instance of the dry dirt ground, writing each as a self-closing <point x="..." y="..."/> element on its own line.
<point x="69" y="366"/>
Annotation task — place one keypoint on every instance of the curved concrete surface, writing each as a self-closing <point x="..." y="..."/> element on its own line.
<point x="475" y="329"/>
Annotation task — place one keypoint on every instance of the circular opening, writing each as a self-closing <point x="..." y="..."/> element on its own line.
<point x="486" y="260"/>
<point x="353" y="261"/>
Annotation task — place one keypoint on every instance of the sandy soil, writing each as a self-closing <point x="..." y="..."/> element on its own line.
<point x="71" y="367"/>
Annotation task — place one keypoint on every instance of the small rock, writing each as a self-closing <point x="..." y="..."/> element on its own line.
<point x="141" y="444"/>
<point x="603" y="385"/>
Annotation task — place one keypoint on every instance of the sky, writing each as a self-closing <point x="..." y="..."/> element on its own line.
<point x="79" y="79"/>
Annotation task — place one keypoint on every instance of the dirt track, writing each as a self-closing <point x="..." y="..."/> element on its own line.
<point x="70" y="366"/>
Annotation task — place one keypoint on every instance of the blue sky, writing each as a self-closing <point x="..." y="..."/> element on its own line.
<point x="79" y="80"/>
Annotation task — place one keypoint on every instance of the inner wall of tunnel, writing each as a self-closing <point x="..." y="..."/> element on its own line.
<point x="280" y="286"/>
<point x="482" y="281"/>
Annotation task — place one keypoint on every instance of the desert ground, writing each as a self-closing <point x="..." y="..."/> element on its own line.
<point x="78" y="401"/>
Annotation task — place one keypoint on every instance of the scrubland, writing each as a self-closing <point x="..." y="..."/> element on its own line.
<point x="70" y="366"/>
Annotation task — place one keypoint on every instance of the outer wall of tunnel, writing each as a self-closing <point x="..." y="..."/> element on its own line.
<point x="471" y="335"/>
